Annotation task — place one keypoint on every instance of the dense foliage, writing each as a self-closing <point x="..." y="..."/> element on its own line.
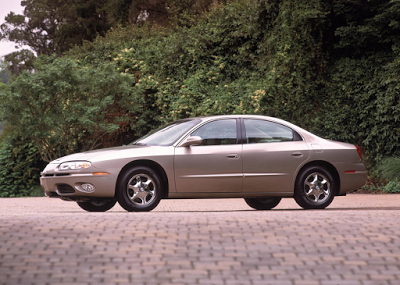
<point x="4" y="76"/>
<point x="330" y="67"/>
<point x="363" y="76"/>
<point x="55" y="26"/>
<point x="64" y="107"/>
<point x="19" y="168"/>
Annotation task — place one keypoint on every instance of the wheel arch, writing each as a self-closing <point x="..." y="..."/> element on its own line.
<point x="152" y="165"/>
<point x="332" y="169"/>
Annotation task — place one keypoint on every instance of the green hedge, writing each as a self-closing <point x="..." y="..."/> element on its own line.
<point x="330" y="67"/>
<point x="20" y="165"/>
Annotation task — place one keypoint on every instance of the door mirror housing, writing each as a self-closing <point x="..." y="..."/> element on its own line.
<point x="195" y="140"/>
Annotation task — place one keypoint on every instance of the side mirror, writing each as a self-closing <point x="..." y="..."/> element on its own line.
<point x="195" y="140"/>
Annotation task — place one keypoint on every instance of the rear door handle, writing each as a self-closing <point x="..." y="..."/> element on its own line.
<point x="297" y="154"/>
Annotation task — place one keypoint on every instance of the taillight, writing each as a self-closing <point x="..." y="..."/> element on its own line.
<point x="359" y="151"/>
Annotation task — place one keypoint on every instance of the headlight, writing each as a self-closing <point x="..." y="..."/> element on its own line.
<point x="74" y="165"/>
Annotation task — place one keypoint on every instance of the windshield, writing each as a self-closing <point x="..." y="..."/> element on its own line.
<point x="167" y="134"/>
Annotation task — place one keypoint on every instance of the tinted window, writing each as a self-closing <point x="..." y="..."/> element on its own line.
<point x="259" y="131"/>
<point x="218" y="132"/>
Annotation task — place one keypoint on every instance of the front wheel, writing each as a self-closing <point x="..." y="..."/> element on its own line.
<point x="97" y="205"/>
<point x="139" y="189"/>
<point x="315" y="188"/>
<point x="263" y="203"/>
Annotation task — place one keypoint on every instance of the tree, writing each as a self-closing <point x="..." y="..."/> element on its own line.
<point x="65" y="107"/>
<point x="54" y="26"/>
<point x="4" y="75"/>
<point x="39" y="25"/>
<point x="187" y="12"/>
<point x="19" y="61"/>
<point x="363" y="28"/>
<point x="160" y="12"/>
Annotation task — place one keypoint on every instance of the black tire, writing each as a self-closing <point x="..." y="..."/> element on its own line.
<point x="97" y="205"/>
<point x="263" y="203"/>
<point x="139" y="189"/>
<point x="315" y="188"/>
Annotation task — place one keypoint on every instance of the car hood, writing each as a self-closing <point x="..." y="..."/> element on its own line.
<point x="90" y="155"/>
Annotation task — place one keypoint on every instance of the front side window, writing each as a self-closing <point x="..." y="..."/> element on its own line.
<point x="168" y="134"/>
<point x="259" y="131"/>
<point x="221" y="132"/>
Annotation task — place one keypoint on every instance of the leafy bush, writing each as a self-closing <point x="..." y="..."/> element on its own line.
<point x="372" y="187"/>
<point x="330" y="67"/>
<point x="269" y="65"/>
<point x="388" y="172"/>
<point x="291" y="59"/>
<point x="392" y="187"/>
<point x="65" y="107"/>
<point x="20" y="166"/>
<point x="389" y="169"/>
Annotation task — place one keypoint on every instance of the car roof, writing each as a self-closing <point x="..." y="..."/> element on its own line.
<point x="261" y="117"/>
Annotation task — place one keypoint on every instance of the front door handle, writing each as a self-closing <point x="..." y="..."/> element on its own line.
<point x="233" y="156"/>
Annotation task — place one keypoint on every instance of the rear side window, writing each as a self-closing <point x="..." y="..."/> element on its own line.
<point x="260" y="131"/>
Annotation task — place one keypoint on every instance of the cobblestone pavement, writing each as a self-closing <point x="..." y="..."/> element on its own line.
<point x="49" y="241"/>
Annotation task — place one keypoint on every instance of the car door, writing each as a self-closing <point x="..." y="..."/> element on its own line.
<point x="215" y="165"/>
<point x="272" y="153"/>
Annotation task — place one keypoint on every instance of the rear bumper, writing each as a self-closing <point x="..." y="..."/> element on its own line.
<point x="352" y="176"/>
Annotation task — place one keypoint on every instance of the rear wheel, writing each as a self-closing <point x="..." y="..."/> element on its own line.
<point x="315" y="188"/>
<point x="97" y="205"/>
<point x="263" y="203"/>
<point x="139" y="189"/>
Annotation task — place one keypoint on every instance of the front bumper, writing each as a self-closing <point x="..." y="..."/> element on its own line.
<point x="57" y="183"/>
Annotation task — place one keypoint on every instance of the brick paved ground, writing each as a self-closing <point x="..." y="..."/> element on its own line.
<point x="354" y="241"/>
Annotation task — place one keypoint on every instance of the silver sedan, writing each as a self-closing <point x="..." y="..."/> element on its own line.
<point x="261" y="159"/>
